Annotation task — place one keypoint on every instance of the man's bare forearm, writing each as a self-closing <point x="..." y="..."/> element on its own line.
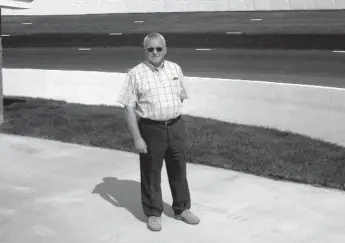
<point x="132" y="122"/>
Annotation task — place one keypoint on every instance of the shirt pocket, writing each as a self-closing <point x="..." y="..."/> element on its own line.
<point x="173" y="82"/>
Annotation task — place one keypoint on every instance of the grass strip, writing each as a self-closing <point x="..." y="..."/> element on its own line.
<point x="255" y="150"/>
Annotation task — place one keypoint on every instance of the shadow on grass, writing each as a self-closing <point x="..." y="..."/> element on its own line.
<point x="126" y="194"/>
<point x="255" y="150"/>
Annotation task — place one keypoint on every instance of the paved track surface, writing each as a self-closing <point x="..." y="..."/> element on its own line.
<point x="276" y="29"/>
<point x="273" y="22"/>
<point x="323" y="68"/>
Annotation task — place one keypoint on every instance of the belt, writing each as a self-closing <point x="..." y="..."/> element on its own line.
<point x="165" y="123"/>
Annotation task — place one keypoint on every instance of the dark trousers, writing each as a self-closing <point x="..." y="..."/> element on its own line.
<point x="163" y="142"/>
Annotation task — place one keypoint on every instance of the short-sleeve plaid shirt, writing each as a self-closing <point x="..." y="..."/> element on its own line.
<point x="156" y="93"/>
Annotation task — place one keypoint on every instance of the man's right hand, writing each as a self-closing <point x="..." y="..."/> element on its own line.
<point x="140" y="145"/>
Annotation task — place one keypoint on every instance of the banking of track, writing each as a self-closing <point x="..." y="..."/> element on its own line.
<point x="250" y="30"/>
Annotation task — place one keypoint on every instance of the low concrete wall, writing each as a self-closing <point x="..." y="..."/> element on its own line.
<point x="61" y="7"/>
<point x="317" y="112"/>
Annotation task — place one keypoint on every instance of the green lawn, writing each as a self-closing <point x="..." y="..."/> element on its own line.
<point x="255" y="150"/>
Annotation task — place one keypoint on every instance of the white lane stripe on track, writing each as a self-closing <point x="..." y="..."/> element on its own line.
<point x="138" y="21"/>
<point x="4" y="35"/>
<point x="267" y="82"/>
<point x="115" y="33"/>
<point x="27" y="23"/>
<point x="233" y="33"/>
<point x="203" y="49"/>
<point x="84" y="49"/>
<point x="340" y="51"/>
<point x="256" y="19"/>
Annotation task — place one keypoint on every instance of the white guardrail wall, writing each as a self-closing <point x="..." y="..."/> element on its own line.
<point x="14" y="4"/>
<point x="61" y="7"/>
<point x="317" y="112"/>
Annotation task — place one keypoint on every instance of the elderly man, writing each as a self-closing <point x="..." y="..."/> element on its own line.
<point x="152" y="94"/>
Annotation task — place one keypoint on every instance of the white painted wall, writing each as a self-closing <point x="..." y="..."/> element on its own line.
<point x="313" y="111"/>
<point x="14" y="4"/>
<point x="52" y="7"/>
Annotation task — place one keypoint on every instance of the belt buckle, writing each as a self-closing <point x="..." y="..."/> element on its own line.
<point x="166" y="123"/>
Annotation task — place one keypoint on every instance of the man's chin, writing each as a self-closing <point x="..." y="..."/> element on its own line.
<point x="156" y="62"/>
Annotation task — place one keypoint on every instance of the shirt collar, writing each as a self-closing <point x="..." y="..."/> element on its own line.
<point x="153" y="67"/>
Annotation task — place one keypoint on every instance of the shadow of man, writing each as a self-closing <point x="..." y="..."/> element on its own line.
<point x="126" y="194"/>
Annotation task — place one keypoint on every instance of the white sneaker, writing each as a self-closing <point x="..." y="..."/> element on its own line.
<point x="154" y="223"/>
<point x="188" y="217"/>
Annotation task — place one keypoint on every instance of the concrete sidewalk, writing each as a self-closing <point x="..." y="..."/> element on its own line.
<point x="57" y="192"/>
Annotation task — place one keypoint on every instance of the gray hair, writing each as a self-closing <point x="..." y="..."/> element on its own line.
<point x="153" y="35"/>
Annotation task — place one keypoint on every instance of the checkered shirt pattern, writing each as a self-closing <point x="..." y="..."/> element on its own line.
<point x="155" y="93"/>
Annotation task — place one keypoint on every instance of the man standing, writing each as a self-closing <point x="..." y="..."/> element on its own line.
<point x="152" y="94"/>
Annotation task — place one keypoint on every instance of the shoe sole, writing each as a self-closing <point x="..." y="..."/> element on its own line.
<point x="155" y="230"/>
<point x="186" y="221"/>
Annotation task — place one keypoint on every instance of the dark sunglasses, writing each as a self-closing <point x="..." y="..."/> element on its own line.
<point x="158" y="49"/>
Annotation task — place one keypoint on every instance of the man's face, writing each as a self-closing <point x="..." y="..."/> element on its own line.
<point x="155" y="51"/>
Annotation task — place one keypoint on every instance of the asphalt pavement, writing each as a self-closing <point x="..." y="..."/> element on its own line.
<point x="311" y="67"/>
<point x="258" y="30"/>
<point x="247" y="22"/>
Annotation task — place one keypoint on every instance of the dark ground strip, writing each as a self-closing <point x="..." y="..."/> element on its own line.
<point x="185" y="40"/>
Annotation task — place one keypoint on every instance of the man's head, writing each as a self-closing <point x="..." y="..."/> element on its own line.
<point x="155" y="48"/>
